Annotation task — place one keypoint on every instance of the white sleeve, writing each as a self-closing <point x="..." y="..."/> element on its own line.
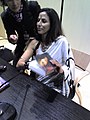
<point x="69" y="65"/>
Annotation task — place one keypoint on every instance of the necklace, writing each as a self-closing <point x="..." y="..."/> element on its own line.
<point x="44" y="47"/>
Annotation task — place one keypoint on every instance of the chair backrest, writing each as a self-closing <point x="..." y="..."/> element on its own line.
<point x="82" y="60"/>
<point x="82" y="69"/>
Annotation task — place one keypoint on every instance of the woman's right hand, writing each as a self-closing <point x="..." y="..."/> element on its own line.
<point x="20" y="63"/>
<point x="13" y="39"/>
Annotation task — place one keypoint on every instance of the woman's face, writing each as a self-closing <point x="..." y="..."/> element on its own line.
<point x="43" y="23"/>
<point x="14" y="5"/>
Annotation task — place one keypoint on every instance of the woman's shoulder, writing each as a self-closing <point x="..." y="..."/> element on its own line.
<point x="61" y="38"/>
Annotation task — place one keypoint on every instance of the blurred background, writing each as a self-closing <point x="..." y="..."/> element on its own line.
<point x="76" y="27"/>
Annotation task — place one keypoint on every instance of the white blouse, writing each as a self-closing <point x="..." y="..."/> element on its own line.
<point x="61" y="51"/>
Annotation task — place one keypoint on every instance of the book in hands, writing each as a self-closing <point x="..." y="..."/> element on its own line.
<point x="48" y="73"/>
<point x="42" y="65"/>
<point x="3" y="84"/>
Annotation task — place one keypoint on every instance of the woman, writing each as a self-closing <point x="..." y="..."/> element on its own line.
<point x="53" y="42"/>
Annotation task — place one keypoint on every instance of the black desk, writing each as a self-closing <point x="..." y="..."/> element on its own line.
<point x="35" y="106"/>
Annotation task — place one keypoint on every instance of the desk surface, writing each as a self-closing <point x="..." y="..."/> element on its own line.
<point x="35" y="105"/>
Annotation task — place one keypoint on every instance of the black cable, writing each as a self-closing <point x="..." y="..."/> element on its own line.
<point x="27" y="88"/>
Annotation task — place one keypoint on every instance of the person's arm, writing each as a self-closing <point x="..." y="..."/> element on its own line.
<point x="28" y="53"/>
<point x="9" y="27"/>
<point x="69" y="65"/>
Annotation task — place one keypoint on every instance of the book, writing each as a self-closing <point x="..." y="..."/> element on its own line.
<point x="3" y="84"/>
<point x="48" y="73"/>
<point x="42" y="65"/>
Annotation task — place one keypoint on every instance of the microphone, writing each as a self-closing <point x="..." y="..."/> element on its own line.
<point x="3" y="68"/>
<point x="19" y="69"/>
<point x="9" y="80"/>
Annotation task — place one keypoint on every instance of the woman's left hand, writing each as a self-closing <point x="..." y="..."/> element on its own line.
<point x="58" y="65"/>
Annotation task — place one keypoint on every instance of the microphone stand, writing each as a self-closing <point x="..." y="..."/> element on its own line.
<point x="27" y="88"/>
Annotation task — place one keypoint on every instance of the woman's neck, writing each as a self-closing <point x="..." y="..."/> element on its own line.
<point x="43" y="38"/>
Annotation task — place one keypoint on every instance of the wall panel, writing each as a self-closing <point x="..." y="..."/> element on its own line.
<point x="52" y="4"/>
<point x="76" y="23"/>
<point x="2" y="30"/>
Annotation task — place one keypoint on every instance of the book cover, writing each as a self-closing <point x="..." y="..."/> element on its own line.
<point x="3" y="84"/>
<point x="42" y="64"/>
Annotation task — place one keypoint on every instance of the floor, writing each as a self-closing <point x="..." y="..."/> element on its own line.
<point x="7" y="44"/>
<point x="84" y="87"/>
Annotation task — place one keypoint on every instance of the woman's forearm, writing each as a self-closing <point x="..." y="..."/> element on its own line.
<point x="25" y="57"/>
<point x="28" y="53"/>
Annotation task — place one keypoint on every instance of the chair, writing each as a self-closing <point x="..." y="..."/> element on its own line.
<point x="82" y="69"/>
